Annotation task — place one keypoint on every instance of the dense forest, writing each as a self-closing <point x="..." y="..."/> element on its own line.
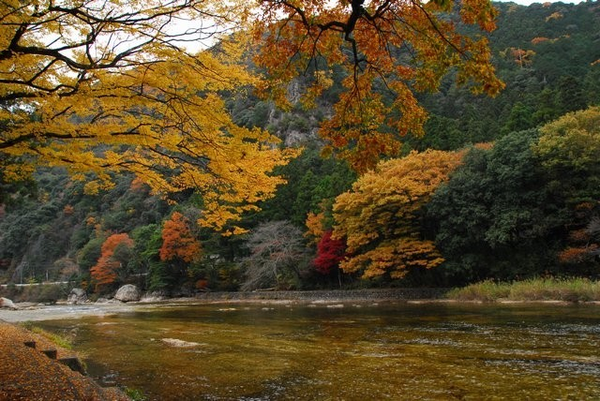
<point x="499" y="188"/>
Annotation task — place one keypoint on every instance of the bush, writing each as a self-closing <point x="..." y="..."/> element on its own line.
<point x="43" y="293"/>
<point x="50" y="294"/>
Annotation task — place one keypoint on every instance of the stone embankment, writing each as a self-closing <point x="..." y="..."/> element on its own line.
<point x="34" y="368"/>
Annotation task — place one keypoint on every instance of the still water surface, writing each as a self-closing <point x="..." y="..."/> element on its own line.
<point x="355" y="352"/>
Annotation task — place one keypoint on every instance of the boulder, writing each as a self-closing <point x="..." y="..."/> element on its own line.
<point x="77" y="296"/>
<point x="6" y="303"/>
<point x="128" y="293"/>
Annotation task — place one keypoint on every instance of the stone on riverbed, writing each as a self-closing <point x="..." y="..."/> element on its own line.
<point x="154" y="296"/>
<point x="174" y="342"/>
<point x="128" y="293"/>
<point x="77" y="296"/>
<point x="6" y="303"/>
<point x="103" y="300"/>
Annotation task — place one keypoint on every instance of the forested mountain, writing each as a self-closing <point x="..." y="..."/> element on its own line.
<point x="512" y="192"/>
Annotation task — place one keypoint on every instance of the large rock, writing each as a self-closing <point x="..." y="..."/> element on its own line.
<point x="77" y="296"/>
<point x="128" y="293"/>
<point x="6" y="303"/>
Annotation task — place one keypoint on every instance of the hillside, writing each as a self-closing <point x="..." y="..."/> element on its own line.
<point x="548" y="56"/>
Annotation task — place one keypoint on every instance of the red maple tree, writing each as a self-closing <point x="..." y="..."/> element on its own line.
<point x="330" y="252"/>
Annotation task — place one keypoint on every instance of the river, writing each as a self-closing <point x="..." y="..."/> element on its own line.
<point x="395" y="351"/>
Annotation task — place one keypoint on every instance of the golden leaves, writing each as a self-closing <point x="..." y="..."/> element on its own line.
<point x="140" y="105"/>
<point x="380" y="217"/>
<point x="314" y="227"/>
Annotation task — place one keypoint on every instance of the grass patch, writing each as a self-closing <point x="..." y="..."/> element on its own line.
<point x="546" y="289"/>
<point x="134" y="394"/>
<point x="60" y="341"/>
<point x="485" y="291"/>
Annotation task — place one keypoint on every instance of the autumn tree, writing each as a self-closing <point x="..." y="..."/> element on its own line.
<point x="277" y="255"/>
<point x="314" y="227"/>
<point x="582" y="247"/>
<point x="179" y="243"/>
<point x="114" y="256"/>
<point x="523" y="58"/>
<point x="108" y="88"/>
<point x="388" y="49"/>
<point x="381" y="217"/>
<point x="569" y="149"/>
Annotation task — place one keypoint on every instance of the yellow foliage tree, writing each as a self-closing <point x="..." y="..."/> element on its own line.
<point x="389" y="48"/>
<point x="314" y="227"/>
<point x="572" y="144"/>
<point x="103" y="88"/>
<point x="381" y="216"/>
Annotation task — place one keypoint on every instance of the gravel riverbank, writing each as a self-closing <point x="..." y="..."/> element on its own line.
<point x="28" y="312"/>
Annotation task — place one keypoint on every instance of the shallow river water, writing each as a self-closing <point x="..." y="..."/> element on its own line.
<point x="361" y="352"/>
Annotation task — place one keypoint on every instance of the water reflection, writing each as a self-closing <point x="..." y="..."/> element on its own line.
<point x="354" y="352"/>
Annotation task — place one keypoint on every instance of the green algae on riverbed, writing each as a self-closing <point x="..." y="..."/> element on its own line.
<point x="355" y="352"/>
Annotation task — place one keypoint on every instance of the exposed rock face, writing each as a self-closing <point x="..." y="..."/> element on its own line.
<point x="77" y="296"/>
<point x="128" y="293"/>
<point x="6" y="303"/>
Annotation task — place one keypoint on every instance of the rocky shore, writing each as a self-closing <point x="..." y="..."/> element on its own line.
<point x="36" y="312"/>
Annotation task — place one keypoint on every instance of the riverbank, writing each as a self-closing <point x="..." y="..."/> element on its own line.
<point x="39" y="312"/>
<point x="573" y="290"/>
<point x="27" y="312"/>
<point x="34" y="368"/>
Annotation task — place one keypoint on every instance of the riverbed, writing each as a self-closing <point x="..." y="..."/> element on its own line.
<point x="342" y="351"/>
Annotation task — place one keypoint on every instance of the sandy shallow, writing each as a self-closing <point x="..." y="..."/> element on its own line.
<point x="28" y="312"/>
<point x="58" y="312"/>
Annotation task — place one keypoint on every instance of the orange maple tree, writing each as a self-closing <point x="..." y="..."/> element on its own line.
<point x="179" y="243"/>
<point x="105" y="270"/>
<point x="387" y="50"/>
<point x="380" y="218"/>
